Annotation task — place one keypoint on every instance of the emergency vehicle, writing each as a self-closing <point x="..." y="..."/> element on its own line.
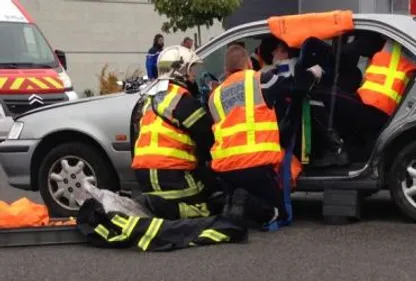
<point x="31" y="73"/>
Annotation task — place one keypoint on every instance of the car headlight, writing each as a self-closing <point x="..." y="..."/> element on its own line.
<point x="65" y="79"/>
<point x="15" y="131"/>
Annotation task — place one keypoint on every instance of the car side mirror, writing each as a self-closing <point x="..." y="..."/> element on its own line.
<point x="62" y="58"/>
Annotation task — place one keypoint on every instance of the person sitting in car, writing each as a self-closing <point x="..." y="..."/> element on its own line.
<point x="285" y="60"/>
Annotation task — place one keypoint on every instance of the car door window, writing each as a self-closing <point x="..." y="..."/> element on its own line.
<point x="214" y="62"/>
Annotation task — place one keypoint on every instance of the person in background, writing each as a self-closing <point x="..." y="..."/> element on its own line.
<point x="152" y="56"/>
<point x="188" y="43"/>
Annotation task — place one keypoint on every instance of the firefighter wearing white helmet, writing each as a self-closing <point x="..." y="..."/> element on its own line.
<point x="177" y="62"/>
<point x="174" y="143"/>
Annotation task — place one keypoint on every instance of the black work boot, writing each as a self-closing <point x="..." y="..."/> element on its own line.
<point x="234" y="208"/>
<point x="335" y="155"/>
<point x="248" y="210"/>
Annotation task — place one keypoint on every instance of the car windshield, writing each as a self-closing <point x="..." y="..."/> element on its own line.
<point x="23" y="46"/>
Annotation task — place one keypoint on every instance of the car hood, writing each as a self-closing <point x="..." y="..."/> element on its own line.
<point x="69" y="103"/>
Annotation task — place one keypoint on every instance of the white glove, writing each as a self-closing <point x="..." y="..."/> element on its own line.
<point x="317" y="71"/>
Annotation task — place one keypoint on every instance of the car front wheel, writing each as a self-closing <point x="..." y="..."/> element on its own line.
<point x="63" y="171"/>
<point x="402" y="181"/>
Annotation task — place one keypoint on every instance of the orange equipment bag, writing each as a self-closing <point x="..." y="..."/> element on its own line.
<point x="295" y="29"/>
<point x="25" y="213"/>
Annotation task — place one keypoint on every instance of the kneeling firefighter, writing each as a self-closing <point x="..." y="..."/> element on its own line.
<point x="247" y="148"/>
<point x="174" y="141"/>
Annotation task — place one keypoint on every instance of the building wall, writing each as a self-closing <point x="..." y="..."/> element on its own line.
<point x="94" y="32"/>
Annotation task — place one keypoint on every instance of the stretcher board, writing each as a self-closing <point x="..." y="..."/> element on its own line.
<point x="41" y="236"/>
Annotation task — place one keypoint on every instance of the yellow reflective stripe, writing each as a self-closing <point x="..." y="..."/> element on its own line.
<point x="154" y="180"/>
<point x="168" y="99"/>
<point x="249" y="100"/>
<point x="54" y="82"/>
<point x="154" y="137"/>
<point x="243" y="149"/>
<point x="382" y="70"/>
<point x="182" y="210"/>
<point x="178" y="194"/>
<point x="126" y="231"/>
<point x="218" y="104"/>
<point x="17" y="83"/>
<point x="263" y="126"/>
<point x="221" y="115"/>
<point x="192" y="211"/>
<point x="2" y="81"/>
<point x="150" y="234"/>
<point x="119" y="221"/>
<point x="102" y="231"/>
<point x="214" y="235"/>
<point x="183" y="138"/>
<point x="381" y="89"/>
<point x="38" y="83"/>
<point x="192" y="244"/>
<point x="146" y="105"/>
<point x="394" y="62"/>
<point x="193" y="118"/>
<point x="165" y="151"/>
<point x="190" y="179"/>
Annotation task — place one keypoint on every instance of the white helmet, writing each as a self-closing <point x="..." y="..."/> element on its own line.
<point x="176" y="57"/>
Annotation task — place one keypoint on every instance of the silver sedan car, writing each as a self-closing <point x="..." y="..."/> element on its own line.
<point x="54" y="148"/>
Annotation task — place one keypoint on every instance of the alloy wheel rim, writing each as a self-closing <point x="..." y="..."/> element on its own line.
<point x="65" y="179"/>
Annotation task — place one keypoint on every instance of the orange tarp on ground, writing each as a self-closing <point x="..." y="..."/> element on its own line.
<point x="295" y="29"/>
<point x="25" y="213"/>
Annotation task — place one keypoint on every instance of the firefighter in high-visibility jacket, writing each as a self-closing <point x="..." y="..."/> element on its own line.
<point x="247" y="147"/>
<point x="385" y="82"/>
<point x="174" y="140"/>
<point x="386" y="78"/>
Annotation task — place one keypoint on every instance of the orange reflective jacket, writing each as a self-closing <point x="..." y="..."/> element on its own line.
<point x="295" y="29"/>
<point x="386" y="78"/>
<point x="161" y="145"/>
<point x="245" y="129"/>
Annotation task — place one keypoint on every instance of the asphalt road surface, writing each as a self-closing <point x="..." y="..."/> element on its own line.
<point x="380" y="247"/>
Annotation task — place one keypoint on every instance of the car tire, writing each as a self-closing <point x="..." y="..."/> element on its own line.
<point x="95" y="164"/>
<point x="399" y="179"/>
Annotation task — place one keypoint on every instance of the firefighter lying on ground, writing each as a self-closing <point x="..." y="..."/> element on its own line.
<point x="111" y="227"/>
<point x="173" y="144"/>
<point x="247" y="148"/>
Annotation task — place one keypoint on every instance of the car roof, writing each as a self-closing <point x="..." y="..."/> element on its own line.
<point x="13" y="11"/>
<point x="403" y="23"/>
